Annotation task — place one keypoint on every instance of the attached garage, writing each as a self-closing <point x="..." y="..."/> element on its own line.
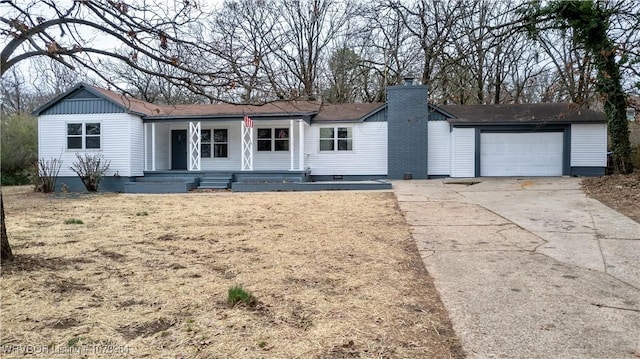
<point x="527" y="140"/>
<point x="521" y="153"/>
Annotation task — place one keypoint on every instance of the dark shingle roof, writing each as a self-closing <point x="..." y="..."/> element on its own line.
<point x="307" y="109"/>
<point x="222" y="109"/>
<point x="559" y="113"/>
<point x="346" y="112"/>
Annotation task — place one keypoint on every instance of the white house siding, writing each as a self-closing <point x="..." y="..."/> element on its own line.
<point x="369" y="155"/>
<point x="115" y="139"/>
<point x="463" y="142"/>
<point x="588" y="145"/>
<point x="163" y="146"/>
<point x="234" y="148"/>
<point x="280" y="161"/>
<point x="439" y="148"/>
<point x="136" y="143"/>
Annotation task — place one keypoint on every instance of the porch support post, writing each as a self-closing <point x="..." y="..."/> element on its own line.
<point x="301" y="145"/>
<point x="145" y="135"/>
<point x="291" y="151"/>
<point x="194" y="146"/>
<point x="246" y="140"/>
<point x="153" y="146"/>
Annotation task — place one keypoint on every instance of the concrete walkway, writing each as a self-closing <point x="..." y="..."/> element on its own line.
<point x="529" y="268"/>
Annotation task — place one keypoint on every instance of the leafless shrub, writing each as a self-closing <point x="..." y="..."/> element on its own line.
<point x="90" y="168"/>
<point x="46" y="174"/>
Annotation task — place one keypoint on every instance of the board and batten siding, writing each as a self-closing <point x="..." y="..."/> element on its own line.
<point x="463" y="143"/>
<point x="114" y="141"/>
<point x="82" y="106"/>
<point x="589" y="145"/>
<point x="439" y="143"/>
<point x="369" y="155"/>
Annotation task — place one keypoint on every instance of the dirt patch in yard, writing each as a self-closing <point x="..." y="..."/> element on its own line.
<point x="335" y="275"/>
<point x="620" y="192"/>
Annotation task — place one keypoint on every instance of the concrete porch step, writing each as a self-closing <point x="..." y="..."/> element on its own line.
<point x="216" y="182"/>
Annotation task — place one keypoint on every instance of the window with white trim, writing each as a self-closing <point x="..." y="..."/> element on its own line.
<point x="83" y="136"/>
<point x="273" y="139"/>
<point x="336" y="139"/>
<point x="214" y="146"/>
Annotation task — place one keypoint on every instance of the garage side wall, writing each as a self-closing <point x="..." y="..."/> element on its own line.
<point x="439" y="143"/>
<point x="588" y="149"/>
<point x="463" y="152"/>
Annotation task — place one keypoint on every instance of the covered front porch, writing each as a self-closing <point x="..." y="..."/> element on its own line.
<point x="222" y="154"/>
<point x="254" y="181"/>
<point x="224" y="145"/>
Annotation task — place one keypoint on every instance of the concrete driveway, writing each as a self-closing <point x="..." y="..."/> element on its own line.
<point x="529" y="268"/>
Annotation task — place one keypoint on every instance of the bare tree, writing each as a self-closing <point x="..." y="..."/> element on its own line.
<point x="64" y="33"/>
<point x="573" y="65"/>
<point x="431" y="23"/>
<point x="308" y="28"/>
<point x="386" y="49"/>
<point x="152" y="88"/>
<point x="247" y="34"/>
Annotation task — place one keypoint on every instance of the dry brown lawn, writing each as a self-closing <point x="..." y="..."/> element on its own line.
<point x="335" y="274"/>
<point x="620" y="192"/>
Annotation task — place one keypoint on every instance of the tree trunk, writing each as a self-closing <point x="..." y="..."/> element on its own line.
<point x="5" y="251"/>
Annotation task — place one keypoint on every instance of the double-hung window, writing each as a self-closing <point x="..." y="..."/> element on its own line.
<point x="214" y="146"/>
<point x="273" y="139"/>
<point x="336" y="139"/>
<point x="83" y="136"/>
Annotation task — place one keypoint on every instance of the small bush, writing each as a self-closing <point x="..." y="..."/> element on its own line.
<point x="46" y="175"/>
<point x="237" y="295"/>
<point x="143" y="213"/>
<point x="18" y="143"/>
<point x="73" y="221"/>
<point x="90" y="168"/>
<point x="15" y="179"/>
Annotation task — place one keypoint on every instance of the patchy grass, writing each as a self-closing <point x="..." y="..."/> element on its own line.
<point x="237" y="295"/>
<point x="73" y="221"/>
<point x="336" y="273"/>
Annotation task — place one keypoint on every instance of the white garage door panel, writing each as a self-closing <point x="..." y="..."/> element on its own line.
<point x="521" y="154"/>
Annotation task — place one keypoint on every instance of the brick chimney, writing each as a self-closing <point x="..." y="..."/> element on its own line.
<point x="407" y="115"/>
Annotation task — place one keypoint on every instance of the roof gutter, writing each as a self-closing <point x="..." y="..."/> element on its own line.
<point x="232" y="117"/>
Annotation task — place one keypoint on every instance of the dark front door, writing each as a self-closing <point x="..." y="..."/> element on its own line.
<point x="178" y="149"/>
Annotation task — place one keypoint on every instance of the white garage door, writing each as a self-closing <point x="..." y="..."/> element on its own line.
<point x="521" y="154"/>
